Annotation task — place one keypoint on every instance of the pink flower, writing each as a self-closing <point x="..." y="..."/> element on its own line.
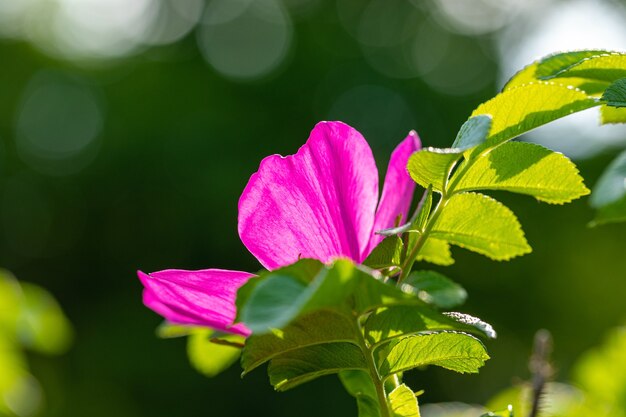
<point x="320" y="203"/>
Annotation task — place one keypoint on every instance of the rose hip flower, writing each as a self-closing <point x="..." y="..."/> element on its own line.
<point x="320" y="203"/>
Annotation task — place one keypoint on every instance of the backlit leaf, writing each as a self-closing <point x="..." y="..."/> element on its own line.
<point x="455" y="351"/>
<point x="436" y="251"/>
<point x="525" y="168"/>
<point x="612" y="115"/>
<point x="481" y="224"/>
<point x="605" y="67"/>
<point x="528" y="106"/>
<point x="403" y="403"/>
<point x="431" y="166"/>
<point x="548" y="66"/>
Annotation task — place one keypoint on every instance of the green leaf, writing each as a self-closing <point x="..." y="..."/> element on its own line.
<point x="612" y="115"/>
<point x="523" y="108"/>
<point x="360" y="385"/>
<point x="293" y="368"/>
<point x="525" y="168"/>
<point x="403" y="403"/>
<point x="208" y="357"/>
<point x="304" y="270"/>
<point x="42" y="324"/>
<point x="321" y="326"/>
<point x="483" y="225"/>
<point x="611" y="186"/>
<point x="435" y="288"/>
<point x="278" y="299"/>
<point x="615" y="94"/>
<point x="548" y="66"/>
<point x="606" y="67"/>
<point x="435" y="251"/>
<point x="388" y="253"/>
<point x="473" y="132"/>
<point x="454" y="351"/>
<point x="431" y="166"/>
<point x="398" y="321"/>
<point x="556" y="63"/>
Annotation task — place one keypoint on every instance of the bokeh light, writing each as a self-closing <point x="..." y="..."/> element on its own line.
<point x="58" y="138"/>
<point x="85" y="30"/>
<point x="245" y="39"/>
<point x="563" y="26"/>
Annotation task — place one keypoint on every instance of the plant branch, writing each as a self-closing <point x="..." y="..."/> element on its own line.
<point x="379" y="384"/>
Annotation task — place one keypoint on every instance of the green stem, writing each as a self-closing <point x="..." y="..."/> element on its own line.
<point x="379" y="383"/>
<point x="421" y="240"/>
<point x="448" y="191"/>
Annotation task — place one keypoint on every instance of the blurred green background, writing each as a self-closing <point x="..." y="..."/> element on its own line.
<point x="129" y="129"/>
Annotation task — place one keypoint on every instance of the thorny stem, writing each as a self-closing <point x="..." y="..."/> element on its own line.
<point x="541" y="368"/>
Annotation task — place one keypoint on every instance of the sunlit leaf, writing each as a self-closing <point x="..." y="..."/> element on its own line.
<point x="293" y="368"/>
<point x="606" y="67"/>
<point x="436" y="251"/>
<point x="548" y="66"/>
<point x="464" y="222"/>
<point x="431" y="166"/>
<point x="525" y="168"/>
<point x="212" y="357"/>
<point x="403" y="403"/>
<point x="528" y="106"/>
<point x="612" y="115"/>
<point x="455" y="351"/>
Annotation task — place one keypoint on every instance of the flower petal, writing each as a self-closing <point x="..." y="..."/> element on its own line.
<point x="202" y="298"/>
<point x="318" y="203"/>
<point x="397" y="190"/>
